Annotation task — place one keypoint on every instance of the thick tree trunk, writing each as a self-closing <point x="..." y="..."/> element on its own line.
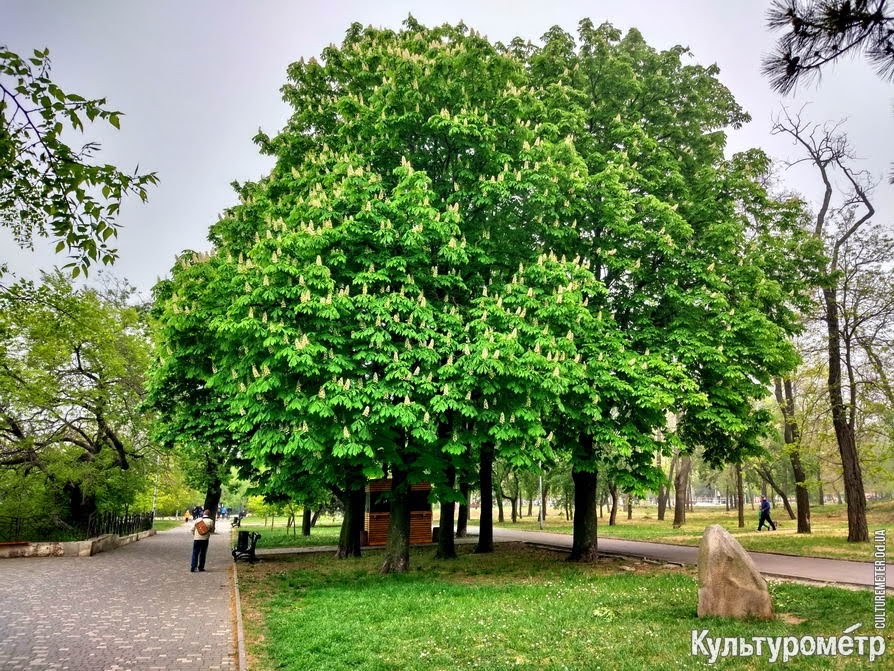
<point x="349" y="542"/>
<point x="306" y="520"/>
<point x="543" y="497"/>
<point x="740" y="496"/>
<point x="397" y="547"/>
<point x="584" y="543"/>
<point x="681" y="487"/>
<point x="212" y="497"/>
<point x="486" y="523"/>
<point x="854" y="493"/>
<point x="81" y="507"/>
<point x="462" y="517"/>
<point x="446" y="545"/>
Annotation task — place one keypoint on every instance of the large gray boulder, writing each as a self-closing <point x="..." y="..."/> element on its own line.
<point x="729" y="584"/>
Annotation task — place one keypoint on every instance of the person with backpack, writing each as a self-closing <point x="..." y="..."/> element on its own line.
<point x="201" y="534"/>
<point x="764" y="515"/>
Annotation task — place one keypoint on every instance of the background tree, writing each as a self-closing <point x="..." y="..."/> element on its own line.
<point x="826" y="149"/>
<point x="47" y="188"/>
<point x="72" y="369"/>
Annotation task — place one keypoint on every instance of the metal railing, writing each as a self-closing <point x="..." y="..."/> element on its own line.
<point x="48" y="529"/>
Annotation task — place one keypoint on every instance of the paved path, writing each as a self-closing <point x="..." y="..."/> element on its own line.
<point x="135" y="608"/>
<point x="788" y="566"/>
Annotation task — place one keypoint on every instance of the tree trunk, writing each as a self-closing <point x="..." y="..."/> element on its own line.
<point x="315" y="517"/>
<point x="740" y="496"/>
<point x="446" y="545"/>
<point x="212" y="497"/>
<point x="613" y="513"/>
<point x="664" y="491"/>
<point x="820" y="494"/>
<point x="768" y="478"/>
<point x="486" y="523"/>
<point x="681" y="487"/>
<point x="462" y="517"/>
<point x="785" y="397"/>
<point x="531" y="507"/>
<point x="543" y="497"/>
<point x="397" y="547"/>
<point x="306" y="519"/>
<point x="81" y="507"/>
<point x="630" y="506"/>
<point x="584" y="542"/>
<point x="349" y="542"/>
<point x="854" y="493"/>
<point x="501" y="516"/>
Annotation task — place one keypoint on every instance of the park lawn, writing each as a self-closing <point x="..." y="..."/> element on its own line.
<point x="165" y="525"/>
<point x="517" y="608"/>
<point x="828" y="525"/>
<point x="275" y="533"/>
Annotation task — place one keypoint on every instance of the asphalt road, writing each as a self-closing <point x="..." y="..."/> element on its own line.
<point x="835" y="571"/>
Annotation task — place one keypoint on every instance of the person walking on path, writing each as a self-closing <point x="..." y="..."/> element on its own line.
<point x="764" y="515"/>
<point x="201" y="534"/>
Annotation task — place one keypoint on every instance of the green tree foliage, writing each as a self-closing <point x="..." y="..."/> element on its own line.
<point x="72" y="366"/>
<point x="693" y="257"/>
<point x="470" y="251"/>
<point x="48" y="188"/>
<point x="191" y="419"/>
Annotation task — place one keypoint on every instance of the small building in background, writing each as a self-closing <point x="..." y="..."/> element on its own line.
<point x="378" y="513"/>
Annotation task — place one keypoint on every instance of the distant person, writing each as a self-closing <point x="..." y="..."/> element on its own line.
<point x="764" y="515"/>
<point x="197" y="512"/>
<point x="201" y="534"/>
<point x="186" y="516"/>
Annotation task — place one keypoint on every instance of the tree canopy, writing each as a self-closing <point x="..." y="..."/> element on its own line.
<point x="49" y="188"/>
<point x="467" y="249"/>
<point x="72" y="366"/>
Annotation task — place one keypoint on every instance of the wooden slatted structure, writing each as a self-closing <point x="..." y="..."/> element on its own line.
<point x="378" y="515"/>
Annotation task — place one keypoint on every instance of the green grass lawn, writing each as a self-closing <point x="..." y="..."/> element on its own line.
<point x="828" y="537"/>
<point x="517" y="608"/>
<point x="164" y="525"/>
<point x="278" y="535"/>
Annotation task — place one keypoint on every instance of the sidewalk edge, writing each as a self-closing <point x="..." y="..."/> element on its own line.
<point x="240" y="632"/>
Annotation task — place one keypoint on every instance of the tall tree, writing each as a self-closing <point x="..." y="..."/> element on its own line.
<point x="826" y="149"/>
<point x="48" y="188"/>
<point x="678" y="250"/>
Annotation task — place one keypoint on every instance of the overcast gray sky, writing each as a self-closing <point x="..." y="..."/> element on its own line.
<point x="197" y="79"/>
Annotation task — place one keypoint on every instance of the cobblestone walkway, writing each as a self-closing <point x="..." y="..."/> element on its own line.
<point x="135" y="608"/>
